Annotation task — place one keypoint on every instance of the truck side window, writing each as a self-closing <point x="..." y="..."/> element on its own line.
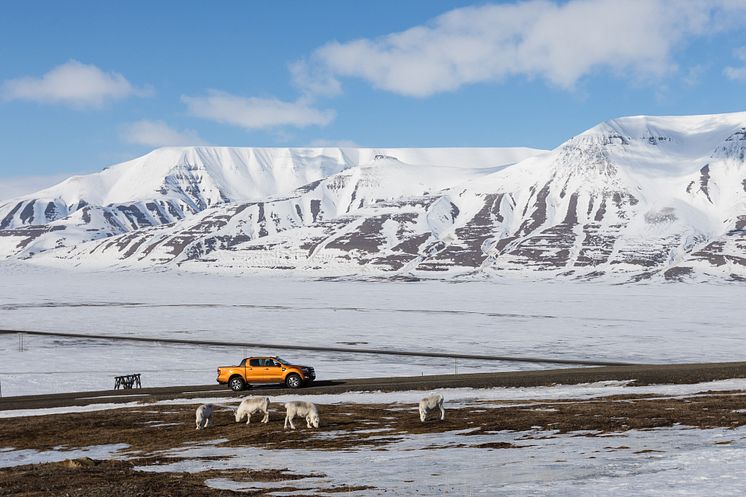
<point x="254" y="363"/>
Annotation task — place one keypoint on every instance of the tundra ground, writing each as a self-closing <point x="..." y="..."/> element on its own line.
<point x="165" y="455"/>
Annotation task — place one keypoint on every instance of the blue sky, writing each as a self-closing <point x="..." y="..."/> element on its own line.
<point x="87" y="84"/>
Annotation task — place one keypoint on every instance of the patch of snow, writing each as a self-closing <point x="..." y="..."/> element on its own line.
<point x="11" y="457"/>
<point x="676" y="460"/>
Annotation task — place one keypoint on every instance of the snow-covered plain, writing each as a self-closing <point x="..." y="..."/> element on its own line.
<point x="653" y="323"/>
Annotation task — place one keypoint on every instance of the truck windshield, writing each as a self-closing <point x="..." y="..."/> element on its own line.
<point x="281" y="361"/>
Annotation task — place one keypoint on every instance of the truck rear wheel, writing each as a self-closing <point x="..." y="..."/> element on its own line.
<point x="293" y="380"/>
<point x="236" y="383"/>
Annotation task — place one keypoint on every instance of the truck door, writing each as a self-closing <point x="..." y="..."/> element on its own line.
<point x="274" y="371"/>
<point x="255" y="370"/>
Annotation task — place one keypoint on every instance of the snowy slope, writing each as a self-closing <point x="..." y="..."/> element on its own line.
<point x="171" y="184"/>
<point x="634" y="198"/>
<point x="619" y="198"/>
<point x="329" y="205"/>
<point x="630" y="199"/>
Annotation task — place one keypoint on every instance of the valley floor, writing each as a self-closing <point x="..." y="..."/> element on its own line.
<point x="607" y="438"/>
<point x="656" y="323"/>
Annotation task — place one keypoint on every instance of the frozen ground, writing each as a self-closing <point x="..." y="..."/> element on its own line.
<point x="635" y="323"/>
<point x="670" y="461"/>
<point x="677" y="460"/>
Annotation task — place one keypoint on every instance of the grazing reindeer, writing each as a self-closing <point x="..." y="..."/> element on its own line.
<point x="301" y="409"/>
<point x="250" y="405"/>
<point x="204" y="416"/>
<point x="430" y="403"/>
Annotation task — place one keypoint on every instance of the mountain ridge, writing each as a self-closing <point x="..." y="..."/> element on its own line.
<point x="630" y="199"/>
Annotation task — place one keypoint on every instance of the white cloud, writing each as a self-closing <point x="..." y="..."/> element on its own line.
<point x="159" y="134"/>
<point x="313" y="81"/>
<point x="16" y="186"/>
<point x="558" y="41"/>
<point x="256" y="113"/>
<point x="74" y="84"/>
<point x="737" y="73"/>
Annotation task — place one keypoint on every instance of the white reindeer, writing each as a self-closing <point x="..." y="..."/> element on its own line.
<point x="301" y="409"/>
<point x="251" y="405"/>
<point x="430" y="403"/>
<point x="204" y="416"/>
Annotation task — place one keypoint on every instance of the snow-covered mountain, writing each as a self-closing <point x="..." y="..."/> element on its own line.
<point x="172" y="184"/>
<point x="630" y="199"/>
<point x="620" y="198"/>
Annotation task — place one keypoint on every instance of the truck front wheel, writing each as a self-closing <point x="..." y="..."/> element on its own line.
<point x="293" y="380"/>
<point x="236" y="383"/>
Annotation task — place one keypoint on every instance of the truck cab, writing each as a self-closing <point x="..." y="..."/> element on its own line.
<point x="265" y="369"/>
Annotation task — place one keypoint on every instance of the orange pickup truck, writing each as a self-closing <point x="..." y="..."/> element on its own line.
<point x="265" y="370"/>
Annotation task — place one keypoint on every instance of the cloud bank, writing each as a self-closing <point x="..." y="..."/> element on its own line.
<point x="559" y="42"/>
<point x="73" y="84"/>
<point x="256" y="113"/>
